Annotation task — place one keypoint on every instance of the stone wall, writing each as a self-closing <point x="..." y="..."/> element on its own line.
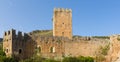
<point x="114" y="52"/>
<point x="59" y="45"/>
<point x="17" y="45"/>
<point x="51" y="47"/>
<point x="84" y="47"/>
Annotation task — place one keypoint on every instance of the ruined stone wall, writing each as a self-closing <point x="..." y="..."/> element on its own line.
<point x="7" y="42"/>
<point x="65" y="47"/>
<point x="84" y="47"/>
<point x="25" y="46"/>
<point x="29" y="46"/>
<point x="62" y="22"/>
<point x="46" y="43"/>
<point x="17" y="45"/>
<point x="114" y="52"/>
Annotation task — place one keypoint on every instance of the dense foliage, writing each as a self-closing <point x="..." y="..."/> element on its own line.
<point x="3" y="57"/>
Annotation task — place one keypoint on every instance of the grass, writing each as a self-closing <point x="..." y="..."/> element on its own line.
<point x="42" y="32"/>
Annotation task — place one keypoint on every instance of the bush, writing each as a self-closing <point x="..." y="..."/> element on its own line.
<point x="7" y="59"/>
<point x="78" y="59"/>
<point x="50" y="60"/>
<point x="85" y="59"/>
<point x="2" y="53"/>
<point x="70" y="59"/>
<point x="105" y="49"/>
<point x="100" y="58"/>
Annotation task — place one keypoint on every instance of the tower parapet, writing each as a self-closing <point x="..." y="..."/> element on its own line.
<point x="62" y="10"/>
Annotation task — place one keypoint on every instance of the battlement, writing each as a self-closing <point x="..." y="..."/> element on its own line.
<point x="62" y="10"/>
<point x="10" y="32"/>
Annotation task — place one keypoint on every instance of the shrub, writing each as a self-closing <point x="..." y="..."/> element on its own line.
<point x="50" y="60"/>
<point x="2" y="53"/>
<point x="70" y="59"/>
<point x="78" y="59"/>
<point x="104" y="50"/>
<point x="85" y="59"/>
<point x="8" y="59"/>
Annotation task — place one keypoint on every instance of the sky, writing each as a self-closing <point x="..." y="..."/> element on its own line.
<point x="89" y="17"/>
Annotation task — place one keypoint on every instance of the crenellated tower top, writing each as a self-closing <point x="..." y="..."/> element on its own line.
<point x="62" y="10"/>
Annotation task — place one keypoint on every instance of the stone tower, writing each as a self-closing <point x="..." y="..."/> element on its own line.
<point x="62" y="22"/>
<point x="8" y="42"/>
<point x="17" y="45"/>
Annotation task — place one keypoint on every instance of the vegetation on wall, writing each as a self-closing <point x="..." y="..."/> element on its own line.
<point x="101" y="37"/>
<point x="103" y="50"/>
<point x="118" y="39"/>
<point x="42" y="33"/>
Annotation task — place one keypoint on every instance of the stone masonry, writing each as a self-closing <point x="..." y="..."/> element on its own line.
<point x="60" y="45"/>
<point x="17" y="46"/>
<point x="114" y="52"/>
<point x="62" y="22"/>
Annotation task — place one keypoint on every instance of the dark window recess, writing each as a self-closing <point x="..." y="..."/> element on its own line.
<point x="8" y="32"/>
<point x="62" y="33"/>
<point x="5" y="33"/>
<point x="20" y="51"/>
<point x="52" y="50"/>
<point x="39" y="49"/>
<point x="7" y="50"/>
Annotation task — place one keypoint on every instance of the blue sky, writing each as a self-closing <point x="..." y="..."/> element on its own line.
<point x="90" y="17"/>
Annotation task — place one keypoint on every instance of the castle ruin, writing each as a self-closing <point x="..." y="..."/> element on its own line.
<point x="24" y="46"/>
<point x="60" y="44"/>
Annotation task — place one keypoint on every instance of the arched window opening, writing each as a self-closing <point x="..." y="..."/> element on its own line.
<point x="7" y="50"/>
<point x="39" y="49"/>
<point x="52" y="50"/>
<point x="20" y="51"/>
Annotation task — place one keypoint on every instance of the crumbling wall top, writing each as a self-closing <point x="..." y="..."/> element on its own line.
<point x="62" y="10"/>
